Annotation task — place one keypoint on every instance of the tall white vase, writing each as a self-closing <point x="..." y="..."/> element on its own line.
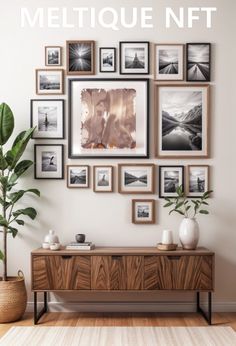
<point x="189" y="233"/>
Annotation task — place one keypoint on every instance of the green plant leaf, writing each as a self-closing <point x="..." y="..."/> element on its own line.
<point x="1" y="256"/>
<point x="13" y="231"/>
<point x="20" y="222"/>
<point x="168" y="204"/>
<point x="3" y="221"/>
<point x="22" y="166"/>
<point x="3" y="161"/>
<point x="180" y="212"/>
<point x="6" y="123"/>
<point x="207" y="194"/>
<point x="15" y="196"/>
<point x="167" y="199"/>
<point x="204" y="212"/>
<point x="180" y="204"/>
<point x="203" y="202"/>
<point x="31" y="212"/>
<point x="188" y="207"/>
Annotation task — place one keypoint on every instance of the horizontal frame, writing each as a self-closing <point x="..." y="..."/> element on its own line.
<point x="62" y="161"/>
<point x="38" y="92"/>
<point x="153" y="219"/>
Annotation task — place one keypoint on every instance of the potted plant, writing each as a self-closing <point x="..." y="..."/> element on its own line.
<point x="189" y="228"/>
<point x="12" y="289"/>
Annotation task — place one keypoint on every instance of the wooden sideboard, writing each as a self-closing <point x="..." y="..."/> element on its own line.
<point x="121" y="270"/>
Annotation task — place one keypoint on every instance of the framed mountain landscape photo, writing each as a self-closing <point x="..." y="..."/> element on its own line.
<point x="182" y="114"/>
<point x="198" y="62"/>
<point x="169" y="62"/>
<point x="108" y="118"/>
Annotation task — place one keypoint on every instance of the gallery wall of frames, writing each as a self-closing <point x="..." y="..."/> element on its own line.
<point x="108" y="118"/>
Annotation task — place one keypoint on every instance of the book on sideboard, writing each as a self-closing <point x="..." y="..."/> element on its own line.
<point x="80" y="246"/>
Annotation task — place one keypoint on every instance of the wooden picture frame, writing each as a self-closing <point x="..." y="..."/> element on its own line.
<point x="49" y="161"/>
<point x="182" y="123"/>
<point x="143" y="211"/>
<point x="55" y="60"/>
<point x="140" y="178"/>
<point x="106" y="102"/>
<point x="81" y="176"/>
<point x="52" y="83"/>
<point x="106" y="182"/>
<point x="169" y="182"/>
<point x="134" y="54"/>
<point x="107" y="69"/>
<point x="197" y="184"/>
<point x="198" y="62"/>
<point x="166" y="66"/>
<point x="48" y="116"/>
<point x="80" y="57"/>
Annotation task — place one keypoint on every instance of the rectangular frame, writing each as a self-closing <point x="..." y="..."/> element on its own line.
<point x="187" y="61"/>
<point x="111" y="185"/>
<point x="38" y="90"/>
<point x="60" y="55"/>
<point x="78" y="186"/>
<point x="138" y="191"/>
<point x="143" y="222"/>
<point x="100" y="59"/>
<point x="135" y="71"/>
<point x="193" y="154"/>
<point x="32" y="123"/>
<point x="61" y="171"/>
<point x="207" y="183"/>
<point x="78" y="72"/>
<point x="76" y="85"/>
<point x="171" y="194"/>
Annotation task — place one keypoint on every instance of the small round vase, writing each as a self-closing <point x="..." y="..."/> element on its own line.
<point x="189" y="233"/>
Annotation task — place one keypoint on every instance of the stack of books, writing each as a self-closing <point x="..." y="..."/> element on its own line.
<point x="80" y="246"/>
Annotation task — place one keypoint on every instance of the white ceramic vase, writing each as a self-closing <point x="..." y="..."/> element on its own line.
<point x="189" y="233"/>
<point x="51" y="237"/>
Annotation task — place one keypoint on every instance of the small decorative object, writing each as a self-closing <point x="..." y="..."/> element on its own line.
<point x="46" y="245"/>
<point x="143" y="211"/>
<point x="170" y="177"/>
<point x="182" y="126"/>
<point x="49" y="160"/>
<point x="80" y="57"/>
<point x="53" y="56"/>
<point x="108" y="118"/>
<point x="77" y="176"/>
<point x="103" y="178"/>
<point x="167" y="247"/>
<point x="167" y="237"/>
<point x="169" y="62"/>
<point x="197" y="180"/>
<point x="48" y="118"/>
<point x="189" y="228"/>
<point x="49" y="81"/>
<point x="51" y="237"/>
<point x="134" y="57"/>
<point x="107" y="58"/>
<point x="198" y="62"/>
<point x="136" y="178"/>
<point x="80" y="238"/>
<point x="13" y="296"/>
<point x="55" y="246"/>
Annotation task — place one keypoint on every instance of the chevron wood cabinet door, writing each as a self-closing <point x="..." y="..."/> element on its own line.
<point x="134" y="272"/>
<point x="178" y="273"/>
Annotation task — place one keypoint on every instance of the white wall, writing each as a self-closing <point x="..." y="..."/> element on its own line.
<point x="106" y="218"/>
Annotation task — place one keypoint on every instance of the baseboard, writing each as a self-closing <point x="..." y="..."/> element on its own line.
<point x="134" y="307"/>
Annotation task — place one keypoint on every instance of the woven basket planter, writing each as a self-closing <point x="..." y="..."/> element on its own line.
<point x="13" y="299"/>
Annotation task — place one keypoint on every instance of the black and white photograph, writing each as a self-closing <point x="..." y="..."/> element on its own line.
<point x="197" y="180"/>
<point x="107" y="58"/>
<point x="108" y="118"/>
<point x="143" y="211"/>
<point x="169" y="61"/>
<point x="134" y="57"/>
<point x="170" y="178"/>
<point x="50" y="82"/>
<point x="49" y="161"/>
<point x="77" y="176"/>
<point x="53" y="56"/>
<point x="136" y="178"/>
<point x="48" y="118"/>
<point x="198" y="62"/>
<point x="182" y="119"/>
<point x="103" y="178"/>
<point x="80" y="57"/>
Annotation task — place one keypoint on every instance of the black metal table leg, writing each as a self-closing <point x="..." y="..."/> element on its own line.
<point x="208" y="315"/>
<point x="37" y="315"/>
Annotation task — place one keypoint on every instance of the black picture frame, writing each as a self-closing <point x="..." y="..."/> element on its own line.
<point x="100" y="60"/>
<point x="63" y="117"/>
<point x="61" y="166"/>
<point x="71" y="155"/>
<point x="160" y="180"/>
<point x="208" y="78"/>
<point x="121" y="43"/>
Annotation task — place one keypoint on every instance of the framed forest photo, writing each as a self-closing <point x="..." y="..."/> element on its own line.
<point x="134" y="57"/>
<point x="49" y="161"/>
<point x="80" y="57"/>
<point x="108" y="118"/>
<point x="170" y="177"/>
<point x="143" y="211"/>
<point x="182" y="114"/>
<point x="107" y="59"/>
<point x="77" y="176"/>
<point x="197" y="180"/>
<point x="198" y="62"/>
<point x="103" y="178"/>
<point x="169" y="62"/>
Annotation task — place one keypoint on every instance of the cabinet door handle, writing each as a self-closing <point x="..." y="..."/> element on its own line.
<point x="116" y="257"/>
<point x="66" y="256"/>
<point x="172" y="258"/>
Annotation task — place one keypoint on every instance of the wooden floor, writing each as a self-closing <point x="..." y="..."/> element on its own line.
<point x="124" y="319"/>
